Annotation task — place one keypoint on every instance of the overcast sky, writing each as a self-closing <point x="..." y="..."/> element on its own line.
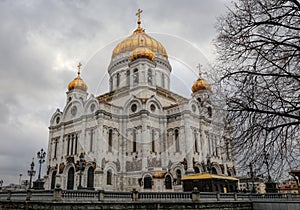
<point x="42" y="42"/>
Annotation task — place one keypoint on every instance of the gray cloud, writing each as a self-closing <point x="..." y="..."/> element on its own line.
<point x="42" y="42"/>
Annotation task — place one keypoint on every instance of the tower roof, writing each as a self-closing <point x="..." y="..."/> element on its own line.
<point x="139" y="39"/>
<point x="77" y="83"/>
<point x="200" y="84"/>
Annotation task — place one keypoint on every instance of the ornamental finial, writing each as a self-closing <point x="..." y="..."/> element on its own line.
<point x="199" y="66"/>
<point x="79" y="65"/>
<point x="139" y="17"/>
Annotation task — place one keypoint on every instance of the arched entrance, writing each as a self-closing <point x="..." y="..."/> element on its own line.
<point x="168" y="182"/>
<point x="147" y="182"/>
<point x="53" y="177"/>
<point x="70" y="182"/>
<point x="90" y="177"/>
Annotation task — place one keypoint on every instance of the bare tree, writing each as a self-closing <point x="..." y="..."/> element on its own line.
<point x="259" y="53"/>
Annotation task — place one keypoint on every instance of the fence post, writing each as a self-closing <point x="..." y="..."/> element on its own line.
<point x="135" y="195"/>
<point x="218" y="196"/>
<point x="235" y="196"/>
<point x="101" y="195"/>
<point x="9" y="195"/>
<point x="57" y="193"/>
<point x="29" y="194"/>
<point x="195" y="194"/>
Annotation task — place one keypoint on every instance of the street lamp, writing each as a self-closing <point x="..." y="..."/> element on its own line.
<point x="252" y="177"/>
<point x="81" y="167"/>
<point x="31" y="173"/>
<point x="41" y="156"/>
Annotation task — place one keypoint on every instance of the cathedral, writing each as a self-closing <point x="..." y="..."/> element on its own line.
<point x="140" y="134"/>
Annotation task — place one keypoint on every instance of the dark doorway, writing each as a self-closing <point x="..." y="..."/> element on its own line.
<point x="147" y="182"/>
<point x="53" y="177"/>
<point x="168" y="182"/>
<point x="90" y="177"/>
<point x="70" y="183"/>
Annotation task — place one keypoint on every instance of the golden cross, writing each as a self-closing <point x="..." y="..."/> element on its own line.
<point x="79" y="65"/>
<point x="139" y="16"/>
<point x="199" y="67"/>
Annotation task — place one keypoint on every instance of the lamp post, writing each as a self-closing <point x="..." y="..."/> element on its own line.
<point x="31" y="173"/>
<point x="252" y="177"/>
<point x="41" y="156"/>
<point x="1" y="183"/>
<point x="20" y="179"/>
<point x="81" y="167"/>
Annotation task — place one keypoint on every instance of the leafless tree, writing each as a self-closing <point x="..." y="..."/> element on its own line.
<point x="259" y="53"/>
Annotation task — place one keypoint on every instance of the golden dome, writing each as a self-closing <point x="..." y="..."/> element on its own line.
<point x="201" y="84"/>
<point x="77" y="83"/>
<point x="141" y="52"/>
<point x="139" y="39"/>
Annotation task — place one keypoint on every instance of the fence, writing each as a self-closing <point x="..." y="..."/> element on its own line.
<point x="102" y="196"/>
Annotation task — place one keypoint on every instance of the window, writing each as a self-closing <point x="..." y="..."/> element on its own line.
<point x="178" y="176"/>
<point x="72" y="140"/>
<point x="196" y="141"/>
<point x="110" y="139"/>
<point x="90" y="177"/>
<point x="153" y="140"/>
<point x="134" y="140"/>
<point x="70" y="182"/>
<point x="176" y="136"/>
<point x="163" y="80"/>
<point x="168" y="182"/>
<point x="128" y="77"/>
<point x="147" y="182"/>
<point x="118" y="79"/>
<point x="135" y="76"/>
<point x="55" y="148"/>
<point x="91" y="139"/>
<point x="150" y="77"/>
<point x="109" y="177"/>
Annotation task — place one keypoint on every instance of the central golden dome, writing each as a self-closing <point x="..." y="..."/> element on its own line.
<point x="139" y="39"/>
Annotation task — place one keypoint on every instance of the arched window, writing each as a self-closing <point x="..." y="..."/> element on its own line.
<point x="178" y="176"/>
<point x="153" y="140"/>
<point x="53" y="177"/>
<point x="134" y="140"/>
<point x="150" y="77"/>
<point x="128" y="77"/>
<point x="163" y="80"/>
<point x="214" y="170"/>
<point x="91" y="139"/>
<point x="135" y="76"/>
<point x="176" y="136"/>
<point x="118" y="79"/>
<point x="90" y="177"/>
<point x="197" y="170"/>
<point x="168" y="182"/>
<point x="196" y="141"/>
<point x="110" y="139"/>
<point x="70" y="182"/>
<point x="147" y="182"/>
<point x="109" y="177"/>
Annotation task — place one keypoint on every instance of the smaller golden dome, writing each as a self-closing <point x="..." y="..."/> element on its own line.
<point x="200" y="84"/>
<point x="142" y="52"/>
<point x="77" y="83"/>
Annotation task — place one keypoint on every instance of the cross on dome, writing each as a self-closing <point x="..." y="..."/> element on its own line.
<point x="79" y="65"/>
<point x="139" y="17"/>
<point x="199" y="66"/>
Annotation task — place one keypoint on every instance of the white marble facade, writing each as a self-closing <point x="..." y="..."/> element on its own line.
<point x="139" y="135"/>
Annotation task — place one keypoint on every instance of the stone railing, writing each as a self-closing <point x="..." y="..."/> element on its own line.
<point x="109" y="196"/>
